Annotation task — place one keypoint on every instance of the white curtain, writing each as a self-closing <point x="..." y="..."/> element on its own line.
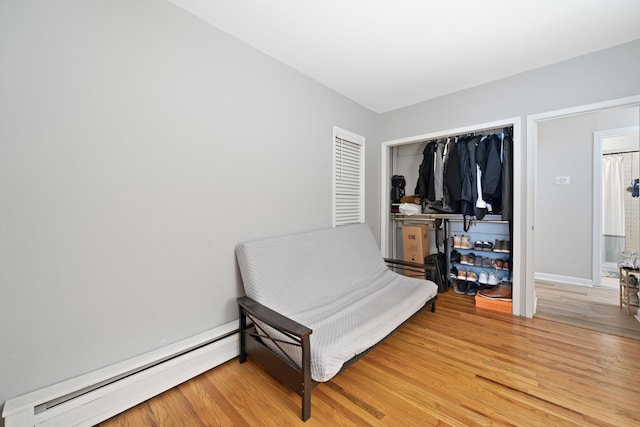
<point x="612" y="195"/>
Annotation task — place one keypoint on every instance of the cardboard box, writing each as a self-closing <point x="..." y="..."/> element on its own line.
<point x="497" y="305"/>
<point x="415" y="242"/>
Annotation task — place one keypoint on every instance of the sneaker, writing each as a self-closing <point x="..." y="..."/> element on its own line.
<point x="457" y="241"/>
<point x="464" y="259"/>
<point x="493" y="280"/>
<point x="483" y="278"/>
<point x="497" y="263"/>
<point x="465" y="242"/>
<point x="497" y="247"/>
<point x="472" y="276"/>
<point x="477" y="245"/>
<point x="487" y="246"/>
<point x="471" y="258"/>
<point x="453" y="273"/>
<point x="479" y="260"/>
<point x="458" y="288"/>
<point x="487" y="262"/>
<point x="472" y="289"/>
<point x="505" y="247"/>
<point x="455" y="256"/>
<point x="462" y="275"/>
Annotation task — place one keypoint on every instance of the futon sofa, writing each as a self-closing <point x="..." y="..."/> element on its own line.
<point x="317" y="301"/>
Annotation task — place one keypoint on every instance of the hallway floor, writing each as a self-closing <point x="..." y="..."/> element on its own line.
<point x="595" y="308"/>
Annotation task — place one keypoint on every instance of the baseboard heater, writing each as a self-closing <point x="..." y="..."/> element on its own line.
<point x="94" y="397"/>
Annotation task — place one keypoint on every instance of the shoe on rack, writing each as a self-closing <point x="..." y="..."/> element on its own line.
<point x="462" y="287"/>
<point x="472" y="276"/>
<point x="493" y="279"/>
<point x="462" y="275"/>
<point x="477" y="245"/>
<point x="471" y="258"/>
<point x="455" y="256"/>
<point x="487" y="262"/>
<point x="483" y="278"/>
<point x="505" y="247"/>
<point x="464" y="259"/>
<point x="506" y="280"/>
<point x="502" y="293"/>
<point x="497" y="263"/>
<point x="479" y="260"/>
<point x="457" y="241"/>
<point x="505" y="264"/>
<point x="497" y="247"/>
<point x="453" y="273"/>
<point x="472" y="289"/>
<point x="487" y="246"/>
<point x="465" y="242"/>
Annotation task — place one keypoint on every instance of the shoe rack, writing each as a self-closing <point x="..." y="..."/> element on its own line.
<point x="480" y="257"/>
<point x="629" y="289"/>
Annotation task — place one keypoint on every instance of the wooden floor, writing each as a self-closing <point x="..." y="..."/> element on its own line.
<point x="588" y="307"/>
<point x="459" y="366"/>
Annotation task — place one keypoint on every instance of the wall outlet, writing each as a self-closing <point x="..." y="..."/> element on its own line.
<point x="563" y="180"/>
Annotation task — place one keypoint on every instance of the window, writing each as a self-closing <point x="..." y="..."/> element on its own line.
<point x="348" y="177"/>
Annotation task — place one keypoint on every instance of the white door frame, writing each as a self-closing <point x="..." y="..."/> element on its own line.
<point x="597" y="195"/>
<point x="532" y="143"/>
<point x="518" y="149"/>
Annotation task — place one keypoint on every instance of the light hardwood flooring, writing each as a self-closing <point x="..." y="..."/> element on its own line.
<point x="595" y="308"/>
<point x="459" y="366"/>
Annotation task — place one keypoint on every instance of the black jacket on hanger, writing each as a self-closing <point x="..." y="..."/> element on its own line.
<point x="452" y="177"/>
<point x="425" y="187"/>
<point x="507" y="178"/>
<point x="491" y="168"/>
<point x="469" y="182"/>
<point x="468" y="194"/>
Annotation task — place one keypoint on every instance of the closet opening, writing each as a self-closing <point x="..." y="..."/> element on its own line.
<point x="404" y="157"/>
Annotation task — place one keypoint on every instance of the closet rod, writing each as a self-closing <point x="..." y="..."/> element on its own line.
<point x="631" y="151"/>
<point x="481" y="221"/>
<point x="415" y="219"/>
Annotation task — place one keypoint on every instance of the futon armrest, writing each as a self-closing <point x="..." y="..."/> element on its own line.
<point x="401" y="266"/>
<point x="393" y="262"/>
<point x="273" y="318"/>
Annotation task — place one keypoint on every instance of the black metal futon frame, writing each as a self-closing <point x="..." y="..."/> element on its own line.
<point x="297" y="376"/>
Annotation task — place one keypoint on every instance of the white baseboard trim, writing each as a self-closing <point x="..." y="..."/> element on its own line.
<point x="563" y="279"/>
<point x="116" y="388"/>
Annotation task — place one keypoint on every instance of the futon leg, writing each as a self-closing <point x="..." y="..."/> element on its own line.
<point x="243" y="327"/>
<point x="306" y="405"/>
<point x="433" y="307"/>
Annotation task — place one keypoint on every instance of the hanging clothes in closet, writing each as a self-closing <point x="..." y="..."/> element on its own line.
<point x="425" y="188"/>
<point x="470" y="174"/>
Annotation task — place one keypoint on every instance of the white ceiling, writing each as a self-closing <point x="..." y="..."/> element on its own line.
<point x="387" y="54"/>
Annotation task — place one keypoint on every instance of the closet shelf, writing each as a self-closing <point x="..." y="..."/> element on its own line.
<point x="474" y="250"/>
<point x="452" y="217"/>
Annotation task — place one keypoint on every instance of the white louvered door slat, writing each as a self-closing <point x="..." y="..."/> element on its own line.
<point x="348" y="178"/>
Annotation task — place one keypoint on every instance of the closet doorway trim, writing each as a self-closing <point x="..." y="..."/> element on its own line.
<point x="518" y="243"/>
<point x="532" y="161"/>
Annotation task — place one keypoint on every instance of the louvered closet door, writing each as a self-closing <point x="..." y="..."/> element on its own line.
<point x="348" y="178"/>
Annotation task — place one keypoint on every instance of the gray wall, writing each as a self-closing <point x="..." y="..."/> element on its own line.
<point x="604" y="75"/>
<point x="138" y="146"/>
<point x="564" y="213"/>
